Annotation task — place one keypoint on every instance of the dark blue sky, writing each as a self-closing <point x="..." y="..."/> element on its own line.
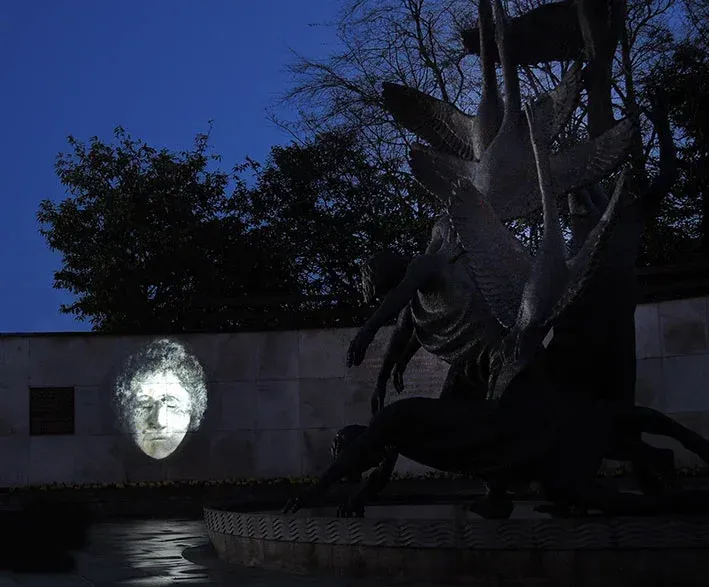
<point x="161" y="69"/>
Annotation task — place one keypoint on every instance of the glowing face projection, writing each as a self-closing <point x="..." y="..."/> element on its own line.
<point x="160" y="396"/>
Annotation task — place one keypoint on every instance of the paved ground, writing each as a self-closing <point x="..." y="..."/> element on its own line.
<point x="155" y="553"/>
<point x="150" y="554"/>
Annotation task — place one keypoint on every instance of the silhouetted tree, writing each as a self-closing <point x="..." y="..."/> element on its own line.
<point x="683" y="231"/>
<point x="146" y="238"/>
<point x="328" y="204"/>
<point x="152" y="240"/>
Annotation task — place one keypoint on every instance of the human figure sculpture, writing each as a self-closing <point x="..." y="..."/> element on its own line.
<point x="561" y="360"/>
<point x="440" y="308"/>
<point x="490" y="250"/>
<point x="496" y="502"/>
<point x="436" y="301"/>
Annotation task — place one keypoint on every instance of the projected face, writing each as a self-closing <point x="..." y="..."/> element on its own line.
<point x="162" y="417"/>
<point x="161" y="396"/>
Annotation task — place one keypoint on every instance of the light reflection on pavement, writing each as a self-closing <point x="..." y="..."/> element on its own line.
<point x="148" y="553"/>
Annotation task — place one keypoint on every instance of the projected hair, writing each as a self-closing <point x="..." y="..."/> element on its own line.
<point x="161" y="356"/>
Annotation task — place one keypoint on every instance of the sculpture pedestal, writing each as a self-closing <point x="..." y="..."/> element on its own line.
<point x="448" y="544"/>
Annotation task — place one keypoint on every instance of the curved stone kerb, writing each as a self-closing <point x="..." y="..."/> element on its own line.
<point x="514" y="534"/>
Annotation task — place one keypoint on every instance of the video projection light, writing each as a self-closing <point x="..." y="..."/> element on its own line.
<point x="160" y="395"/>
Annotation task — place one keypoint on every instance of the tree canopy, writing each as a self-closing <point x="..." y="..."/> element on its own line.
<point x="153" y="240"/>
<point x="331" y="207"/>
<point x="146" y="232"/>
<point x="682" y="230"/>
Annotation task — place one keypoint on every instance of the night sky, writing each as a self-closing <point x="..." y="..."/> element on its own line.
<point x="161" y="69"/>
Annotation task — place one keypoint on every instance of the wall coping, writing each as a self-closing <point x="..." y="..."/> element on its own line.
<point x="91" y="333"/>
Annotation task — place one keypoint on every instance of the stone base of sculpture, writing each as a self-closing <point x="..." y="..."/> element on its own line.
<point x="445" y="543"/>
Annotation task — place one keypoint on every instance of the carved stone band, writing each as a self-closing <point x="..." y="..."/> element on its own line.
<point x="445" y="544"/>
<point x="449" y="532"/>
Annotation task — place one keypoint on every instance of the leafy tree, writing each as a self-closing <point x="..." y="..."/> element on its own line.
<point x="330" y="206"/>
<point x="145" y="238"/>
<point x="152" y="241"/>
<point x="684" y="79"/>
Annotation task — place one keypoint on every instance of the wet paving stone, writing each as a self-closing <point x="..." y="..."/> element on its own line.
<point x="149" y="553"/>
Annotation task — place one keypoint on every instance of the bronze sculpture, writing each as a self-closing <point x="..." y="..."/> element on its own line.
<point x="540" y="326"/>
<point x="504" y="170"/>
<point x="381" y="460"/>
<point x="459" y="141"/>
<point x="545" y="426"/>
<point x="453" y="330"/>
<point x="441" y="124"/>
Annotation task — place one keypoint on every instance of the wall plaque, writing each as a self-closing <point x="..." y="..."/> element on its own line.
<point x="51" y="410"/>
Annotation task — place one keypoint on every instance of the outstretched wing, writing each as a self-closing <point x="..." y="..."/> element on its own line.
<point x="581" y="270"/>
<point x="549" y="274"/>
<point x="499" y="262"/>
<point x="583" y="265"/>
<point x="554" y="108"/>
<point x="592" y="160"/>
<point x="437" y="171"/>
<point x="586" y="207"/>
<point x="574" y="168"/>
<point x="439" y="123"/>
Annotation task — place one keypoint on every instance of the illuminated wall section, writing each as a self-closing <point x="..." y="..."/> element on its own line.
<point x="74" y="410"/>
<point x="160" y="395"/>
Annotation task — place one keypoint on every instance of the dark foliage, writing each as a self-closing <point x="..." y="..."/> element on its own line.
<point x="145" y="235"/>
<point x="152" y="241"/>
<point x="681" y="232"/>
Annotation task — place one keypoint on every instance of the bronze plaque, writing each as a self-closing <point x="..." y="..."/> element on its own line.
<point x="51" y="410"/>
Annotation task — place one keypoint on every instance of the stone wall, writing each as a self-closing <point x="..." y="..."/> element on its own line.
<point x="275" y="399"/>
<point x="673" y="366"/>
